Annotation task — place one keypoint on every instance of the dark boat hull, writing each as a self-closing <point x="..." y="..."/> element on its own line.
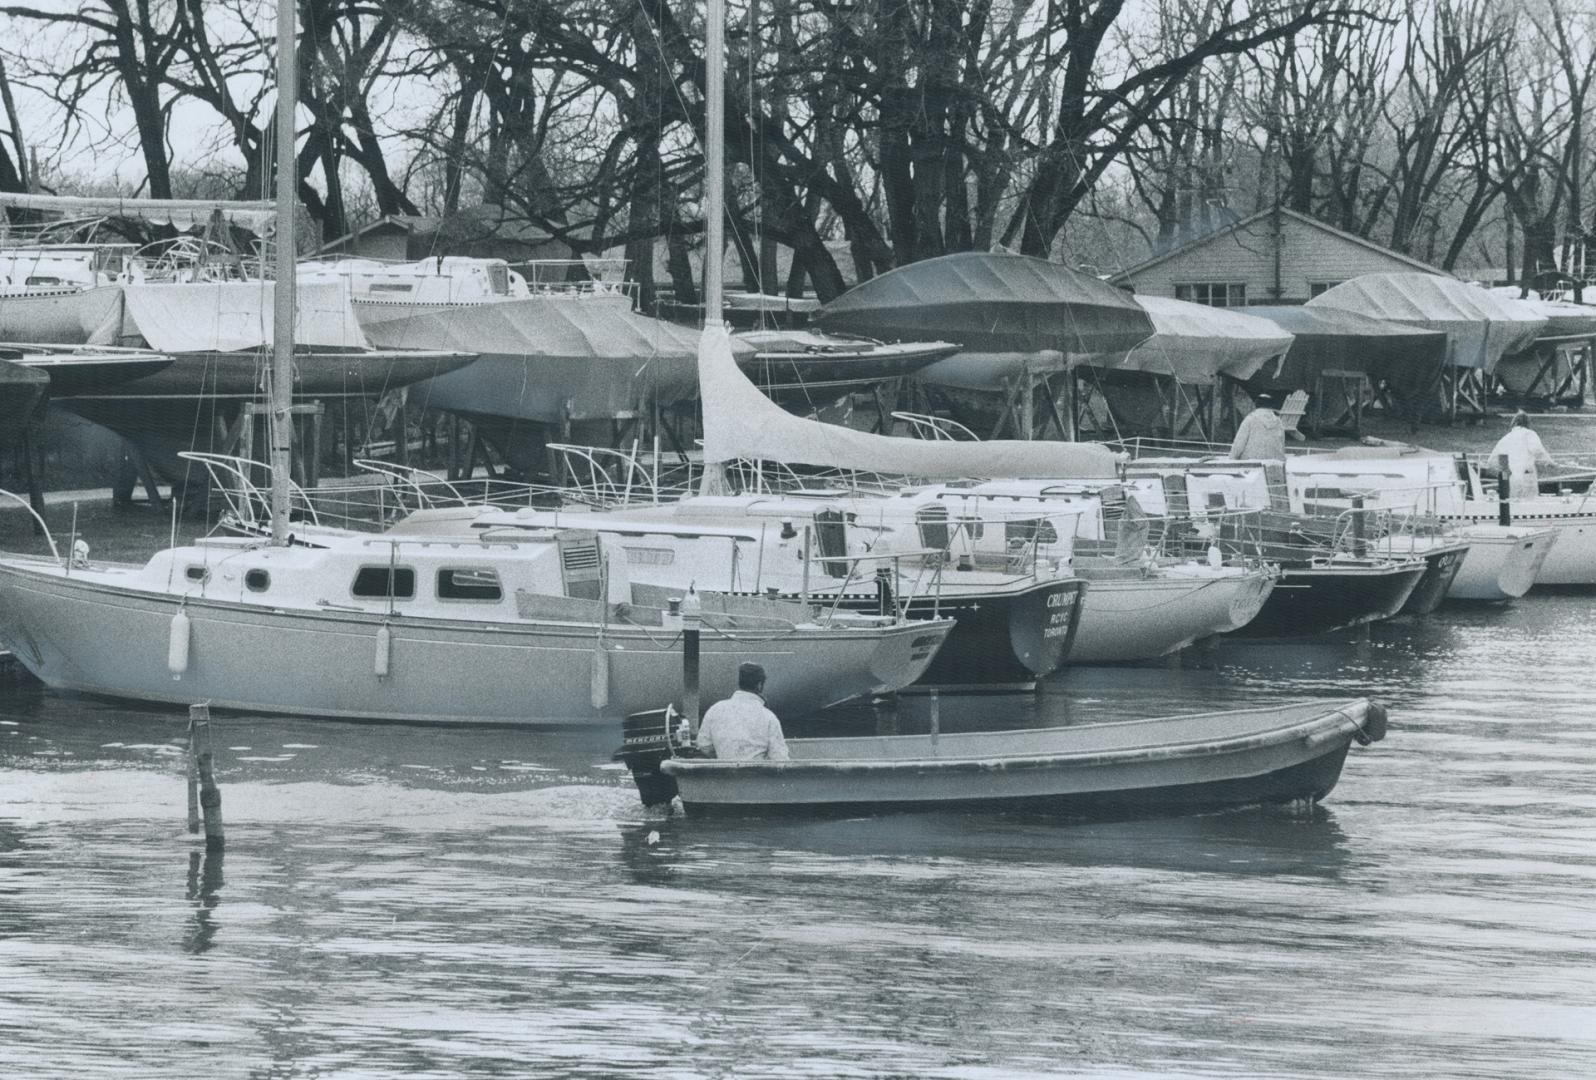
<point x="1004" y="640"/>
<point x="1309" y="780"/>
<point x="1441" y="568"/>
<point x="21" y="390"/>
<point x="1322" y="599"/>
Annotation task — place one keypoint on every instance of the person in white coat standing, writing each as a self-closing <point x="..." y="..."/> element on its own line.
<point x="1524" y="452"/>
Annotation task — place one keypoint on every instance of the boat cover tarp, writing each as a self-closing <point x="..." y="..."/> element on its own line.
<point x="993" y="303"/>
<point x="1407" y="358"/>
<point x="228" y="316"/>
<point x="1196" y="343"/>
<point x="742" y="423"/>
<point x="1480" y="328"/>
<point x="1563" y="318"/>
<point x="549" y="358"/>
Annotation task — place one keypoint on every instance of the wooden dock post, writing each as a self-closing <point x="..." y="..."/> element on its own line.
<point x="1360" y="546"/>
<point x="936" y="717"/>
<point x="1504" y="491"/>
<point x="210" y="796"/>
<point x="195" y="712"/>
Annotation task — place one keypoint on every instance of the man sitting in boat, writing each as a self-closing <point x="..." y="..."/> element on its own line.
<point x="1524" y="450"/>
<point x="741" y="728"/>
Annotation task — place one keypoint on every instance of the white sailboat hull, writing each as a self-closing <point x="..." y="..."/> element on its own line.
<point x="1139" y="618"/>
<point x="1569" y="561"/>
<point x="77" y="634"/>
<point x="57" y="316"/>
<point x="1502" y="562"/>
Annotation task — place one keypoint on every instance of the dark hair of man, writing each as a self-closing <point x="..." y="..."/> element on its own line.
<point x="750" y="677"/>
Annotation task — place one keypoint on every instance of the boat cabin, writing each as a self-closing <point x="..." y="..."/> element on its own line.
<point x="443" y="579"/>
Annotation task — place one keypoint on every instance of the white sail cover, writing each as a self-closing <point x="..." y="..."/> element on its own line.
<point x="1481" y="328"/>
<point x="741" y="422"/>
<point x="1196" y="343"/>
<point x="228" y="316"/>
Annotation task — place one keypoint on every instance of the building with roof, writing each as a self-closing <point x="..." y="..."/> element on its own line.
<point x="1276" y="256"/>
<point x="484" y="232"/>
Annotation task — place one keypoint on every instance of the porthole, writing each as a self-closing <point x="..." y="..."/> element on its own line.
<point x="198" y="573"/>
<point x="257" y="580"/>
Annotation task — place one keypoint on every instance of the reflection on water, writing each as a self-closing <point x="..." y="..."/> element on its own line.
<point x="439" y="902"/>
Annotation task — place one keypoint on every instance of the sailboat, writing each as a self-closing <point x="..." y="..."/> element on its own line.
<point x="542" y="630"/>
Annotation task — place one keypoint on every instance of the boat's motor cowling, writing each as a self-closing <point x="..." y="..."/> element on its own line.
<point x="645" y="744"/>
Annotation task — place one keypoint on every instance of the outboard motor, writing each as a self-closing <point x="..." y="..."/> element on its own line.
<point x="645" y="744"/>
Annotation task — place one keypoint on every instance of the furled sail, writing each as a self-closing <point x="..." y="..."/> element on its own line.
<point x="741" y="422"/>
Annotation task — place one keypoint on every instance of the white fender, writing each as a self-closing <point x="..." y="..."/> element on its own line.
<point x="601" y="677"/>
<point x="384" y="650"/>
<point x="177" y="644"/>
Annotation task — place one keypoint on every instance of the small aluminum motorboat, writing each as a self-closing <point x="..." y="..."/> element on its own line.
<point x="1280" y="753"/>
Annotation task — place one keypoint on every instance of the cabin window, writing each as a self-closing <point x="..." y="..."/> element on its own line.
<point x="257" y="580"/>
<point x="469" y="584"/>
<point x="391" y="287"/>
<point x="1213" y="293"/>
<point x="933" y="522"/>
<point x="1317" y="287"/>
<point x="1021" y="533"/>
<point x="385" y="582"/>
<point x="647" y="556"/>
<point x="198" y="573"/>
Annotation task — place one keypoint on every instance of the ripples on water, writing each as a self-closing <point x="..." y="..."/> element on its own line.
<point x="446" y="903"/>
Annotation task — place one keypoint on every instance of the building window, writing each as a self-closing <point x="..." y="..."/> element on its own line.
<point x="471" y="584"/>
<point x="1317" y="287"/>
<point x="1213" y="293"/>
<point x="381" y="582"/>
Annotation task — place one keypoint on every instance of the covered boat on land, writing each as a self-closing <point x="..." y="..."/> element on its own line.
<point x="1480" y="327"/>
<point x="215" y="340"/>
<point x="1166" y="382"/>
<point x="1016" y="319"/>
<point x="1166" y="765"/>
<point x="550" y="359"/>
<point x="1333" y="347"/>
<point x="803" y="367"/>
<point x="1552" y="367"/>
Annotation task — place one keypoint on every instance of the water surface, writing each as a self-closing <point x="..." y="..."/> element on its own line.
<point x="432" y="902"/>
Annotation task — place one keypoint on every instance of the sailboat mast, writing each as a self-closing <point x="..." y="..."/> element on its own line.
<point x="714" y="157"/>
<point x="281" y="384"/>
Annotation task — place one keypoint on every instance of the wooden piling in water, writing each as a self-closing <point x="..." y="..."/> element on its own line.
<point x="691" y="626"/>
<point x="1504" y="491"/>
<point x="202" y="767"/>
